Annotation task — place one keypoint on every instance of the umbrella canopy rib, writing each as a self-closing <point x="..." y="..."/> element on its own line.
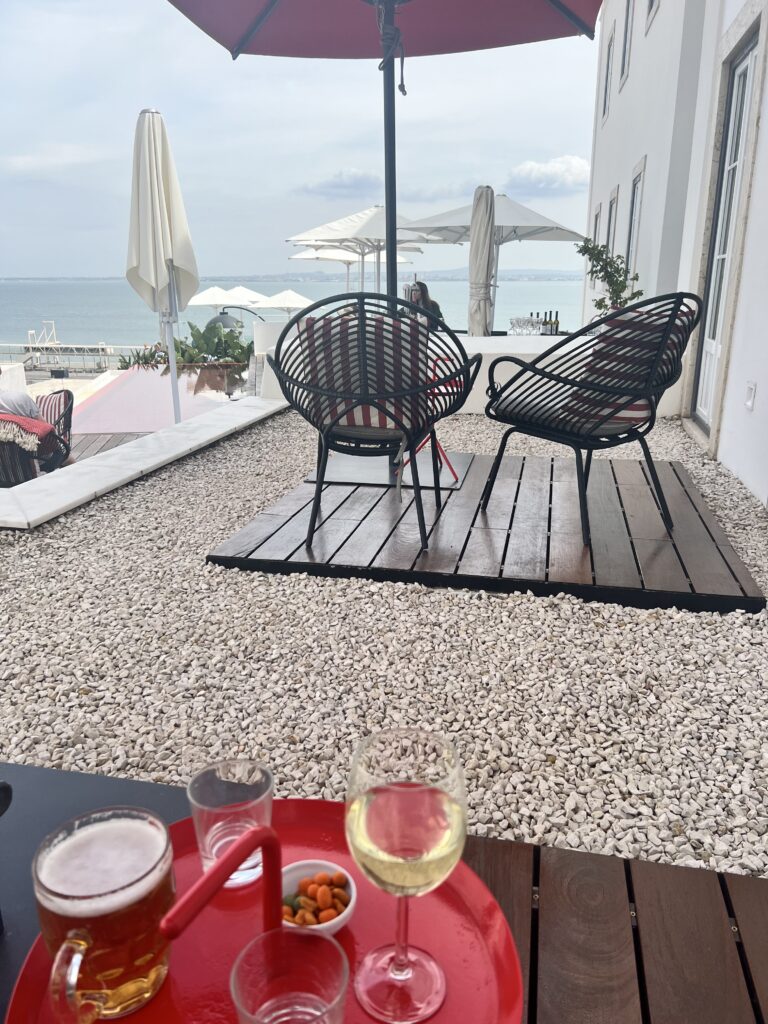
<point x="570" y="15"/>
<point x="268" y="9"/>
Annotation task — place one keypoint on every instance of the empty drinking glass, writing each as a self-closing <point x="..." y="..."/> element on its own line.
<point x="290" y="977"/>
<point x="228" y="799"/>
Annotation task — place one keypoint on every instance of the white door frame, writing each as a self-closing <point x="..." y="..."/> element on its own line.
<point x="730" y="183"/>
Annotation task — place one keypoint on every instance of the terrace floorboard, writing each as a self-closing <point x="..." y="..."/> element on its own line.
<point x="86" y="445"/>
<point x="528" y="540"/>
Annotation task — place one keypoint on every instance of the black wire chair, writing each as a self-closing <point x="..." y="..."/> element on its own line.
<point x="372" y="374"/>
<point x="56" y="409"/>
<point x="598" y="388"/>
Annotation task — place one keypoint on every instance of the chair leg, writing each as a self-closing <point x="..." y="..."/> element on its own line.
<point x="322" y="461"/>
<point x="665" y="513"/>
<point x="436" y="469"/>
<point x="582" y="482"/>
<point x="587" y="467"/>
<point x="417" y="500"/>
<point x="495" y="469"/>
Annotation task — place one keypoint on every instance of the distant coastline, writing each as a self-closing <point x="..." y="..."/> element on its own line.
<point x="459" y="274"/>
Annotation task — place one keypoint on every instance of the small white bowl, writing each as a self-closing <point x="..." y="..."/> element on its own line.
<point x="293" y="874"/>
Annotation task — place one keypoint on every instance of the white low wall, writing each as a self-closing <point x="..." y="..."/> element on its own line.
<point x="524" y="346"/>
<point x="12" y="377"/>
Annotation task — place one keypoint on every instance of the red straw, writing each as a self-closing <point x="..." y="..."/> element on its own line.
<point x="185" y="910"/>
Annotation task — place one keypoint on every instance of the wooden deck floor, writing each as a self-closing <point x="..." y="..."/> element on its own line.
<point x="528" y="539"/>
<point x="86" y="445"/>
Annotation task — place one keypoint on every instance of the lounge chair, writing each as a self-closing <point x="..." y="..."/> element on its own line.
<point x="373" y="380"/>
<point x="598" y="388"/>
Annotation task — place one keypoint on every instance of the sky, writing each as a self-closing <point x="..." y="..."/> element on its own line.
<point x="268" y="147"/>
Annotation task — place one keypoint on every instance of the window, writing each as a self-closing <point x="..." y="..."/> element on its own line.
<point x="635" y="203"/>
<point x="608" y="70"/>
<point x="629" y="9"/>
<point x="610" y="233"/>
<point x="595" y="237"/>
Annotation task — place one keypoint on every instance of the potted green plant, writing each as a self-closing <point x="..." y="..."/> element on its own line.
<point x="611" y="271"/>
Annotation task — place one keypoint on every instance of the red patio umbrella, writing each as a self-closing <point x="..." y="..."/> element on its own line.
<point x="346" y="29"/>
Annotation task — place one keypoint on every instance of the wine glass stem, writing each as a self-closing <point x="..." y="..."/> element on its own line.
<point x="400" y="968"/>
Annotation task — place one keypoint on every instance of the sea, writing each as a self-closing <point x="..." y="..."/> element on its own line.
<point x="93" y="310"/>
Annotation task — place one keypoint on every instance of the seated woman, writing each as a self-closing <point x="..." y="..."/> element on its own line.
<point x="419" y="296"/>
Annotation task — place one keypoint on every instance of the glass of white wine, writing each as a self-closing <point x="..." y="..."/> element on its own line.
<point x="406" y="824"/>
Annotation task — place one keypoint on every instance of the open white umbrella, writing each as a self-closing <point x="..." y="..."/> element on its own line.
<point x="481" y="263"/>
<point x="242" y="296"/>
<point x="215" y="297"/>
<point x="287" y="301"/>
<point x="343" y="256"/>
<point x="513" y="223"/>
<point x="360" y="233"/>
<point x="161" y="265"/>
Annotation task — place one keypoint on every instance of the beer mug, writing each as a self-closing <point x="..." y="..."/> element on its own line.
<point x="103" y="881"/>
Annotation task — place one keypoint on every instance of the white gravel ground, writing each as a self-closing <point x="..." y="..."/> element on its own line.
<point x="583" y="725"/>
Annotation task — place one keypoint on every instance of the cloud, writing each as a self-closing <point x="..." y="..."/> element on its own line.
<point x="346" y="184"/>
<point x="562" y="175"/>
<point x="54" y="157"/>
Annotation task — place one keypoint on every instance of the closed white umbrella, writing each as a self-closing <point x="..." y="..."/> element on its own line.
<point x="481" y="263"/>
<point x="161" y="265"/>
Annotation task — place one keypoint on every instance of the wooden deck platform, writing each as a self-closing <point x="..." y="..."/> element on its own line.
<point x="86" y="445"/>
<point x="528" y="539"/>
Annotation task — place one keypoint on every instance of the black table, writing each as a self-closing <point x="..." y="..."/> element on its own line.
<point x="600" y="939"/>
<point x="43" y="798"/>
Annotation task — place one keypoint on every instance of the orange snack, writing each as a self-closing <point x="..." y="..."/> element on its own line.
<point x="327" y="915"/>
<point x="323" y="878"/>
<point x="304" y="885"/>
<point x="324" y="898"/>
<point x="341" y="895"/>
<point x="339" y="879"/>
<point x="312" y="891"/>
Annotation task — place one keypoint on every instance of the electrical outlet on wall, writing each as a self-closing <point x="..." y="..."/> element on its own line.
<point x="749" y="399"/>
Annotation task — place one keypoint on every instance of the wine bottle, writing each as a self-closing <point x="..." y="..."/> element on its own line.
<point x="557" y="321"/>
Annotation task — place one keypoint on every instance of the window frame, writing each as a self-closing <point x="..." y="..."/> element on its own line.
<point x="610" y="225"/>
<point x="610" y="54"/>
<point x="626" y="42"/>
<point x="635" y="213"/>
<point x="653" y="10"/>
<point x="596" y="218"/>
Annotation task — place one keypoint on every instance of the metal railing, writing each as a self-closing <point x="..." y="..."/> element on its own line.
<point x="39" y="355"/>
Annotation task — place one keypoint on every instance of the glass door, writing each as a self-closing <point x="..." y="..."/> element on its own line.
<point x="726" y="204"/>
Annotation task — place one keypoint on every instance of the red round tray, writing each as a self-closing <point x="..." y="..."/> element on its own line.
<point x="460" y="923"/>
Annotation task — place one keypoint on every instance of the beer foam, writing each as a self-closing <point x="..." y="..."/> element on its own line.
<point x="98" y="859"/>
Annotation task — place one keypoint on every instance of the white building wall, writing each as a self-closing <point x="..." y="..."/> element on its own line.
<point x="670" y="111"/>
<point x="738" y="435"/>
<point x="650" y="117"/>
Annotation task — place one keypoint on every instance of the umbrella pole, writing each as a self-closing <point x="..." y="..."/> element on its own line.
<point x="390" y="163"/>
<point x="168" y="320"/>
<point x="495" y="285"/>
<point x="347" y="266"/>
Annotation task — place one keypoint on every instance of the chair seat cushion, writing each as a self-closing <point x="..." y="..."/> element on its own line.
<point x="579" y="412"/>
<point x="367" y="434"/>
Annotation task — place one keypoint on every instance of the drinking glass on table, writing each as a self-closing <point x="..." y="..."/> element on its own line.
<point x="287" y="976"/>
<point x="405" y="825"/>
<point x="228" y="799"/>
<point x="103" y="882"/>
